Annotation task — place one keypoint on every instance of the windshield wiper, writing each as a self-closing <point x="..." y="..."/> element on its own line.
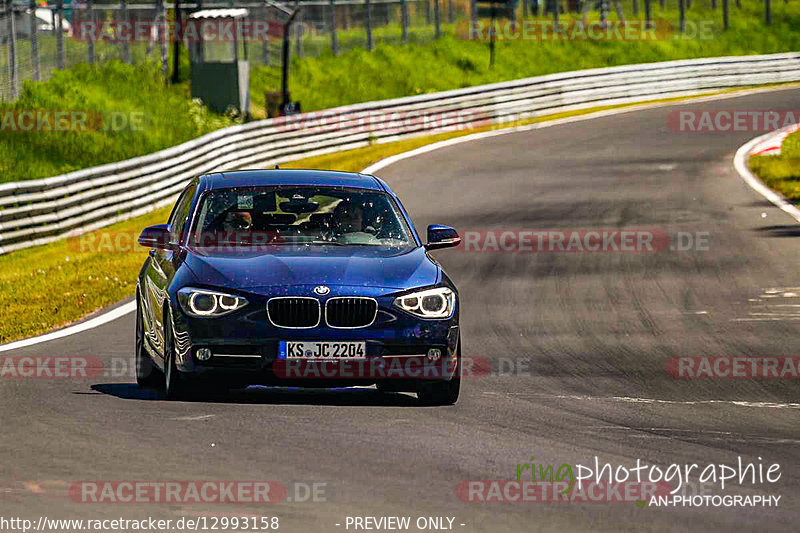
<point x="340" y="243"/>
<point x="236" y="243"/>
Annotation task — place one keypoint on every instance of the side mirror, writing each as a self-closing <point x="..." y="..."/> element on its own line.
<point x="156" y="237"/>
<point x="441" y="237"/>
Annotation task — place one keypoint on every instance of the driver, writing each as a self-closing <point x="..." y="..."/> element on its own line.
<point x="237" y="221"/>
<point x="348" y="219"/>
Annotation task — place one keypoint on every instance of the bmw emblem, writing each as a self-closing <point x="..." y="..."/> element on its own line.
<point x="321" y="290"/>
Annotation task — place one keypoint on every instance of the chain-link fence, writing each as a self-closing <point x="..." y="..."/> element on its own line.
<point x="37" y="39"/>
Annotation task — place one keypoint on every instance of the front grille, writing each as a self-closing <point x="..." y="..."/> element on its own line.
<point x="350" y="312"/>
<point x="294" y="312"/>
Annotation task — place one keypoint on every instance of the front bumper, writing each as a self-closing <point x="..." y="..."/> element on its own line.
<point x="259" y="365"/>
<point x="245" y="349"/>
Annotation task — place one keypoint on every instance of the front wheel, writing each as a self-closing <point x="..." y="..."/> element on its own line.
<point x="174" y="384"/>
<point x="442" y="392"/>
<point x="147" y="375"/>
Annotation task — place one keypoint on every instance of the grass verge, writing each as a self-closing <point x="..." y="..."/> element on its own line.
<point x="55" y="284"/>
<point x="128" y="111"/>
<point x="781" y="172"/>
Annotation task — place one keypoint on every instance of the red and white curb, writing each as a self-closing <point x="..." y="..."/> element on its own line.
<point x="742" y="157"/>
<point x="772" y="145"/>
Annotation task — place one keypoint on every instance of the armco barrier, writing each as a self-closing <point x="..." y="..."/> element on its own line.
<point x="40" y="211"/>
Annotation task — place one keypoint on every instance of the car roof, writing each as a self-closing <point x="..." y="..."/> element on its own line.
<point x="274" y="177"/>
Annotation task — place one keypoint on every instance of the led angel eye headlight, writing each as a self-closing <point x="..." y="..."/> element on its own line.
<point x="229" y="303"/>
<point x="206" y="303"/>
<point x="201" y="303"/>
<point x="434" y="303"/>
<point x="429" y="303"/>
<point x="409" y="303"/>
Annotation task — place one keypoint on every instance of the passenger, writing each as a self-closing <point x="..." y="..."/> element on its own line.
<point x="348" y="220"/>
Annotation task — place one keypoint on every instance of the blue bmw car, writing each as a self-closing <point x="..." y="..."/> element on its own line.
<point x="300" y="278"/>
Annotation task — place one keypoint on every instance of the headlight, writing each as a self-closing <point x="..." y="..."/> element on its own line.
<point x="206" y="303"/>
<point x="430" y="303"/>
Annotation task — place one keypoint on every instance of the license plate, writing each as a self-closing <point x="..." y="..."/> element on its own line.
<point x="321" y="350"/>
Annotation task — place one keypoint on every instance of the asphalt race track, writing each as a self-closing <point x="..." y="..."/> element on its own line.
<point x="578" y="345"/>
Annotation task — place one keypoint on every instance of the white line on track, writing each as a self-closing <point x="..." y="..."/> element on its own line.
<point x="740" y="163"/>
<point x="693" y="434"/>
<point x="656" y="401"/>
<point x="192" y="418"/>
<point x="629" y="399"/>
<point x="568" y="120"/>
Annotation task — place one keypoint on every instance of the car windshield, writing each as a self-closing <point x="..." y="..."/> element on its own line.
<point x="299" y="215"/>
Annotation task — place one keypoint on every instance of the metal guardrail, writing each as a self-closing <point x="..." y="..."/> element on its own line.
<point x="40" y="211"/>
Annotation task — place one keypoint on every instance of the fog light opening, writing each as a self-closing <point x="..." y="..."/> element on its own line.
<point x="434" y="354"/>
<point x="203" y="354"/>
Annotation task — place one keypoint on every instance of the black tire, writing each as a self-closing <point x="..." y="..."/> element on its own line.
<point x="442" y="392"/>
<point x="147" y="375"/>
<point x="174" y="383"/>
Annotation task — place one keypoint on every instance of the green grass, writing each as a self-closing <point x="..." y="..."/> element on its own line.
<point x="165" y="116"/>
<point x="781" y="172"/>
<point x="55" y="284"/>
<point x="49" y="286"/>
<point x="170" y="117"/>
<point x="449" y="63"/>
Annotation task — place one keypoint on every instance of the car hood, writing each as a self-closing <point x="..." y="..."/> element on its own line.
<point x="314" y="265"/>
